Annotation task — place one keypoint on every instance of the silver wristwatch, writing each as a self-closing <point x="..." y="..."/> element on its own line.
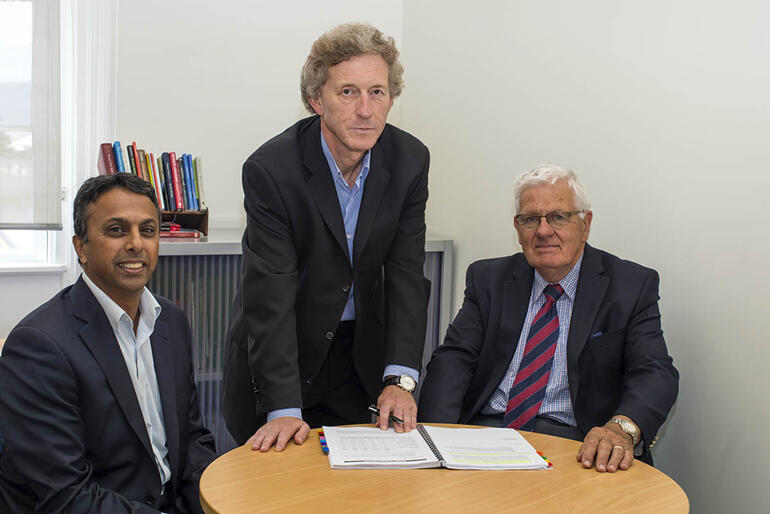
<point x="405" y="382"/>
<point x="627" y="427"/>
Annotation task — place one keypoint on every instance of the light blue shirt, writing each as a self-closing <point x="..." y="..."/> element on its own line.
<point x="556" y="403"/>
<point x="137" y="352"/>
<point x="350" y="205"/>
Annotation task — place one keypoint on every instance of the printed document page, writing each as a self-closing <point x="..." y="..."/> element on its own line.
<point x="364" y="447"/>
<point x="485" y="448"/>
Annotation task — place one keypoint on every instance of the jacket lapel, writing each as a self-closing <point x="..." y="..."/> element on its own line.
<point x="321" y="186"/>
<point x="592" y="285"/>
<point x="98" y="336"/>
<point x="514" y="304"/>
<point x="164" y="372"/>
<point x="374" y="189"/>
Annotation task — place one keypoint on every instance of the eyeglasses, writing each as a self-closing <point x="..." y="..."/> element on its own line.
<point x="557" y="219"/>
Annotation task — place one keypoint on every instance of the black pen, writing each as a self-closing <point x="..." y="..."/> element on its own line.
<point x="374" y="409"/>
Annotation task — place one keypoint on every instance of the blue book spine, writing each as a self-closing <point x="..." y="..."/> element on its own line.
<point x="188" y="183"/>
<point x="193" y="193"/>
<point x="118" y="151"/>
<point x="169" y="181"/>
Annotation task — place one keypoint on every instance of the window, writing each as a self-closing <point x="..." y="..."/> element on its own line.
<point x="30" y="164"/>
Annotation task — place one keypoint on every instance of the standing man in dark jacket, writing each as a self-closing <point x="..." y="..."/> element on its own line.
<point x="331" y="310"/>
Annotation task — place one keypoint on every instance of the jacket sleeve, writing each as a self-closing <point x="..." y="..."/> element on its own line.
<point x="650" y="381"/>
<point x="406" y="289"/>
<point x="452" y="365"/>
<point x="43" y="429"/>
<point x="200" y="445"/>
<point x="268" y="288"/>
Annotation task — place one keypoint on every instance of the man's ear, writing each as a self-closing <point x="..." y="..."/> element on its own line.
<point x="79" y="245"/>
<point x="587" y="221"/>
<point x="315" y="103"/>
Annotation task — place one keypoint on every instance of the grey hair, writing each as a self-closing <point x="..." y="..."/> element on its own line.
<point x="550" y="174"/>
<point x="342" y="43"/>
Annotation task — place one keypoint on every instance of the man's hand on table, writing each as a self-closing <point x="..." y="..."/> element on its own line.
<point x="278" y="432"/>
<point x="608" y="448"/>
<point x="394" y="400"/>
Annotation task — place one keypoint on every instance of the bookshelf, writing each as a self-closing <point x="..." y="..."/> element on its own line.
<point x="198" y="220"/>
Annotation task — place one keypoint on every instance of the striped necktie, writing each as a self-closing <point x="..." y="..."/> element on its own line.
<point x="528" y="389"/>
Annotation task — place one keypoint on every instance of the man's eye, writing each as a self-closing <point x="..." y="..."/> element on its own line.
<point x="115" y="230"/>
<point x="378" y="92"/>
<point x="347" y="91"/>
<point x="529" y="220"/>
<point x="559" y="217"/>
<point x="148" y="230"/>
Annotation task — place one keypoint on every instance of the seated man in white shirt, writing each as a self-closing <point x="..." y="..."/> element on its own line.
<point x="99" y="410"/>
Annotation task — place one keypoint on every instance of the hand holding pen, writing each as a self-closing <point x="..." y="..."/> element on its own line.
<point x="391" y="417"/>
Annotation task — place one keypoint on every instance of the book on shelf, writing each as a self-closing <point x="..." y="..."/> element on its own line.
<point x="198" y="183"/>
<point x="156" y="182"/>
<point x="106" y="162"/>
<point x="182" y="233"/>
<point x="131" y="161"/>
<point x="141" y="165"/>
<point x="118" y="151"/>
<point x="431" y="447"/>
<point x="174" y="172"/>
<point x="168" y="190"/>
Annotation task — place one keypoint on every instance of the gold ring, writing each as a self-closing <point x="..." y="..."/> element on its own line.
<point x="618" y="446"/>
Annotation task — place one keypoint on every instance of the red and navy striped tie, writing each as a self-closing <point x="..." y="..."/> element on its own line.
<point x="528" y="389"/>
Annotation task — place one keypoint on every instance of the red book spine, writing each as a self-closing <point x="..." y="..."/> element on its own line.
<point x="180" y="234"/>
<point x="106" y="162"/>
<point x="177" y="181"/>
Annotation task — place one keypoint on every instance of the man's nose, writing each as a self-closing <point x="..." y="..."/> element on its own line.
<point x="134" y="240"/>
<point x="544" y="229"/>
<point x="364" y="108"/>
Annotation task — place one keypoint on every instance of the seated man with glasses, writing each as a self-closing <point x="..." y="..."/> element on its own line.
<point x="562" y="339"/>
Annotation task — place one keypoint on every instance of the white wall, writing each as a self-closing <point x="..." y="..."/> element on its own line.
<point x="663" y="108"/>
<point x="218" y="79"/>
<point x="23" y="293"/>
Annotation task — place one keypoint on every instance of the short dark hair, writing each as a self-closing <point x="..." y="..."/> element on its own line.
<point x="97" y="186"/>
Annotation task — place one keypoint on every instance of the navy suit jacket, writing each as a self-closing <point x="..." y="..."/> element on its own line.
<point x="617" y="361"/>
<point x="75" y="439"/>
<point x="296" y="271"/>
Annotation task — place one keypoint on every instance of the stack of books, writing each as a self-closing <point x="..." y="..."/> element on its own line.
<point x="177" y="180"/>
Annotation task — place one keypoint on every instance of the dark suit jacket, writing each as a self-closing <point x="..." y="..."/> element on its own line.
<point x="617" y="361"/>
<point x="75" y="439"/>
<point x="296" y="271"/>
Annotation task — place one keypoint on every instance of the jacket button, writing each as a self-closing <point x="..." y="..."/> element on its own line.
<point x="309" y="380"/>
<point x="149" y="499"/>
<point x="329" y="335"/>
<point x="346" y="288"/>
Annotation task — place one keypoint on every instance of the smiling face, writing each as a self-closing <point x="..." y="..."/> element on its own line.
<point x="553" y="253"/>
<point x="353" y="104"/>
<point x="121" y="250"/>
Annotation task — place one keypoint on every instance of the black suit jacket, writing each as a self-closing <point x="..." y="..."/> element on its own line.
<point x="296" y="271"/>
<point x="75" y="439"/>
<point x="617" y="361"/>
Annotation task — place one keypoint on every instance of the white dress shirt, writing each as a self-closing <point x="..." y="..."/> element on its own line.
<point x="137" y="352"/>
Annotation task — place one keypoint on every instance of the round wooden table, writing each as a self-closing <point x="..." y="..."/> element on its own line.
<point x="299" y="479"/>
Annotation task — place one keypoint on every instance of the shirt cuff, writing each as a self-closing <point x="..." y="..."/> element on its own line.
<point x="280" y="413"/>
<point x="395" y="369"/>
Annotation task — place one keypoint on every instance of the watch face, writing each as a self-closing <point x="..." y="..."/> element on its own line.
<point x="407" y="383"/>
